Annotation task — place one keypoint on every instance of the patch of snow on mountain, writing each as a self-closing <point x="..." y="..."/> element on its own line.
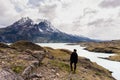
<point x="25" y="20"/>
<point x="40" y="30"/>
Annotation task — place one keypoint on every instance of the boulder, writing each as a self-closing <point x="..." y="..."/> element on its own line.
<point x="7" y="74"/>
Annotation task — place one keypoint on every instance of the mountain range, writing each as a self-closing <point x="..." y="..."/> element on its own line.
<point x="44" y="31"/>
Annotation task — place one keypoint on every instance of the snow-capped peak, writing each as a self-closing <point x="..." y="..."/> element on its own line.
<point x="24" y="20"/>
<point x="47" y="26"/>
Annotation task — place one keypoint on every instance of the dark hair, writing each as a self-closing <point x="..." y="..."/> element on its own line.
<point x="75" y="50"/>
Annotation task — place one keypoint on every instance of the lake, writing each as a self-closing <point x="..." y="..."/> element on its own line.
<point x="112" y="66"/>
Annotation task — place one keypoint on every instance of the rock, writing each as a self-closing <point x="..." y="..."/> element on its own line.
<point x="7" y="74"/>
<point x="57" y="74"/>
<point x="53" y="70"/>
<point x="27" y="72"/>
<point x="35" y="63"/>
<point x="34" y="75"/>
<point x="39" y="56"/>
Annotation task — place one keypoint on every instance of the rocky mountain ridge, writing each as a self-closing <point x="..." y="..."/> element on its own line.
<point x="44" y="31"/>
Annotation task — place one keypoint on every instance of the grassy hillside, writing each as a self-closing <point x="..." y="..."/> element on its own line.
<point x="86" y="70"/>
<point x="23" y="45"/>
<point x="26" y="61"/>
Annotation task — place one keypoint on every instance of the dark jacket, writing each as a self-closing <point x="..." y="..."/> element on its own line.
<point x="74" y="57"/>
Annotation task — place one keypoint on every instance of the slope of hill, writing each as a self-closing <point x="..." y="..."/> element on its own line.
<point x="45" y="64"/>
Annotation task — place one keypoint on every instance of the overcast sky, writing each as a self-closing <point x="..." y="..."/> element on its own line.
<point x="98" y="19"/>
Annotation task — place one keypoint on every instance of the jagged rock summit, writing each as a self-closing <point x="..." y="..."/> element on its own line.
<point x="44" y="31"/>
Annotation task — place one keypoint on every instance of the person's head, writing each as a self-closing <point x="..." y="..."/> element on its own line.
<point x="75" y="50"/>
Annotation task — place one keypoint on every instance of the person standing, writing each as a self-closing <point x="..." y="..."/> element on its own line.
<point x="73" y="60"/>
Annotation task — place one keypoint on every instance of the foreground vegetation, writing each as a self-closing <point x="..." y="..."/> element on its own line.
<point x="104" y="47"/>
<point x="45" y="63"/>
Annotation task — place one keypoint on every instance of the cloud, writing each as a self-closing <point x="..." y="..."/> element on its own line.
<point x="106" y="29"/>
<point x="102" y="23"/>
<point x="81" y="17"/>
<point x="19" y="5"/>
<point x="110" y="3"/>
<point x="35" y="3"/>
<point x="7" y="12"/>
<point x="89" y="11"/>
<point x="48" y="11"/>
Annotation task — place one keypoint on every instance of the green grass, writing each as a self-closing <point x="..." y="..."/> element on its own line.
<point x="98" y="73"/>
<point x="63" y="66"/>
<point x="17" y="69"/>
